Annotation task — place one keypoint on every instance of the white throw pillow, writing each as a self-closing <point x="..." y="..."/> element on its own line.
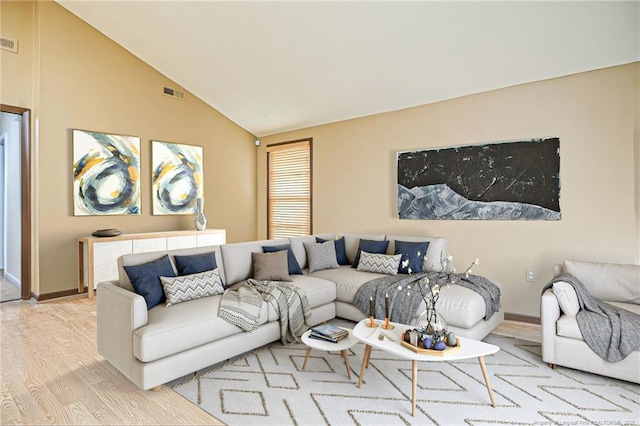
<point x="379" y="263"/>
<point x="193" y="286"/>
<point x="567" y="297"/>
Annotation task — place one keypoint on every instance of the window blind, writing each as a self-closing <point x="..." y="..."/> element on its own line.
<point x="289" y="189"/>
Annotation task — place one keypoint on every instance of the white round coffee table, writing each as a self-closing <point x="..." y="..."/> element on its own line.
<point x="322" y="345"/>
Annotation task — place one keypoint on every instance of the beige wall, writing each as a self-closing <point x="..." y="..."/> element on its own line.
<point x="86" y="81"/>
<point x="594" y="114"/>
<point x="16" y="77"/>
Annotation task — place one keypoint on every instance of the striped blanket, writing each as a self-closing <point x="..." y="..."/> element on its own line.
<point x="242" y="305"/>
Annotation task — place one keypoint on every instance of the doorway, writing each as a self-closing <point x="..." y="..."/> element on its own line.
<point x="15" y="131"/>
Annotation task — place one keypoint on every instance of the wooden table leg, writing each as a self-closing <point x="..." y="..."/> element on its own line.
<point x="365" y="362"/>
<point x="306" y="358"/>
<point x="414" y="386"/>
<point x="486" y="380"/>
<point x="346" y="363"/>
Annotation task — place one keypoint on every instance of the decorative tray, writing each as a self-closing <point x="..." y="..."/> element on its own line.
<point x="423" y="351"/>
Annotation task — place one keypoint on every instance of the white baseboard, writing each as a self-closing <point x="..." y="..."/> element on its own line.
<point x="14" y="280"/>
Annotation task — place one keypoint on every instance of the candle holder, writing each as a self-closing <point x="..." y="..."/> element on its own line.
<point x="386" y="325"/>
<point x="371" y="323"/>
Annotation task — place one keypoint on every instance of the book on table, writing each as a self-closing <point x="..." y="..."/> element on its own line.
<point x="328" y="332"/>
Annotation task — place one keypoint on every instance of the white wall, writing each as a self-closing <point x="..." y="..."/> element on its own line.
<point x="12" y="211"/>
<point x="3" y="136"/>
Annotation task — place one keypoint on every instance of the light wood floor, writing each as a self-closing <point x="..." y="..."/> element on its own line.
<point x="8" y="290"/>
<point x="51" y="373"/>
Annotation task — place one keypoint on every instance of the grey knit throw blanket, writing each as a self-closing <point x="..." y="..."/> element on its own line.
<point x="611" y="332"/>
<point x="241" y="306"/>
<point x="404" y="305"/>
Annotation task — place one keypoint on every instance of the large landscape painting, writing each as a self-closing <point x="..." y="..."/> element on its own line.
<point x="500" y="181"/>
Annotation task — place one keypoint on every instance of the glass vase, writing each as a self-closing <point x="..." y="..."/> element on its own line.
<point x="431" y="324"/>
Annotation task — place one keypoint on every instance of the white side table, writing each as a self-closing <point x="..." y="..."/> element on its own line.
<point x="322" y="345"/>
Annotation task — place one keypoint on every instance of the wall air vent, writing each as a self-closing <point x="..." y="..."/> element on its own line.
<point x="177" y="94"/>
<point x="9" y="44"/>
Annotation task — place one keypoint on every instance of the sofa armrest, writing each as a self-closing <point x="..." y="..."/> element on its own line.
<point x="549" y="315"/>
<point x="119" y="313"/>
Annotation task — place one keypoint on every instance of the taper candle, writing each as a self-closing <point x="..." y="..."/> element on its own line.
<point x="371" y="307"/>
<point x="386" y="305"/>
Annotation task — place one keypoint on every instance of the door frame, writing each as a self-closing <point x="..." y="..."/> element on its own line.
<point x="25" y="197"/>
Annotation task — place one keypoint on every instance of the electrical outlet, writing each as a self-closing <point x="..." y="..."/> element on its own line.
<point x="531" y="275"/>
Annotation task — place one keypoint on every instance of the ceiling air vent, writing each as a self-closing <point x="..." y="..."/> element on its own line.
<point x="174" y="93"/>
<point x="9" y="44"/>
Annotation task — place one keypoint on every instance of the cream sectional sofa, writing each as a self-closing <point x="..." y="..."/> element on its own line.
<point x="562" y="341"/>
<point x="152" y="347"/>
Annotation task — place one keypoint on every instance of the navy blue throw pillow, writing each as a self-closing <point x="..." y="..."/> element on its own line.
<point x="196" y="263"/>
<point x="146" y="282"/>
<point x="414" y="252"/>
<point x="370" y="246"/>
<point x="341" y="250"/>
<point x="294" y="267"/>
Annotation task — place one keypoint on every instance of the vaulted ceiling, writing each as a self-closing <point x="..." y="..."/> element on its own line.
<point x="278" y="66"/>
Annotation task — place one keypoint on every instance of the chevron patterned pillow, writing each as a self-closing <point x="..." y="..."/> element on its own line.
<point x="379" y="263"/>
<point x="190" y="287"/>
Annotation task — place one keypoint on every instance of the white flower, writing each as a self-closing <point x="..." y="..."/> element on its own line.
<point x="476" y="262"/>
<point x="399" y="287"/>
<point x="449" y="257"/>
<point x="405" y="263"/>
<point x="435" y="289"/>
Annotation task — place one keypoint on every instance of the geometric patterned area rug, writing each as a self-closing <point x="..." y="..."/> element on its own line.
<point x="268" y="387"/>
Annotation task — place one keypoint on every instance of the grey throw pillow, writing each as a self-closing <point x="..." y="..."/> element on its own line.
<point x="192" y="286"/>
<point x="271" y="266"/>
<point x="379" y="263"/>
<point x="321" y="256"/>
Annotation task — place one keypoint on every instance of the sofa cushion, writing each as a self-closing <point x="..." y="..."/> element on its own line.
<point x="567" y="326"/>
<point x="628" y="306"/>
<point x="352" y="242"/>
<point x="413" y="255"/>
<point x="460" y="306"/>
<point x="176" y="328"/>
<point x="292" y="263"/>
<point x="567" y="297"/>
<point x="435" y="253"/>
<point x="608" y="281"/>
<point x="341" y="251"/>
<point x="195" y="263"/>
<point x="379" y="263"/>
<point x="319" y="292"/>
<point x="321" y="256"/>
<point x="370" y="246"/>
<point x="271" y="266"/>
<point x="193" y="286"/>
<point x="347" y="279"/>
<point x="145" y="279"/>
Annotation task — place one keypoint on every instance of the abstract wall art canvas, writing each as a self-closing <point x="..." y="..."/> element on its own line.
<point x="499" y="181"/>
<point x="106" y="174"/>
<point x="176" y="178"/>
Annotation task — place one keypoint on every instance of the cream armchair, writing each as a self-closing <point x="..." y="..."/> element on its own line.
<point x="562" y="342"/>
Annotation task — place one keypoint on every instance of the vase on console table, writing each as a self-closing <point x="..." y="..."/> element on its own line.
<point x="201" y="221"/>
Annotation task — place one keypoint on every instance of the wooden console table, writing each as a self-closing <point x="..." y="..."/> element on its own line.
<point x="98" y="256"/>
